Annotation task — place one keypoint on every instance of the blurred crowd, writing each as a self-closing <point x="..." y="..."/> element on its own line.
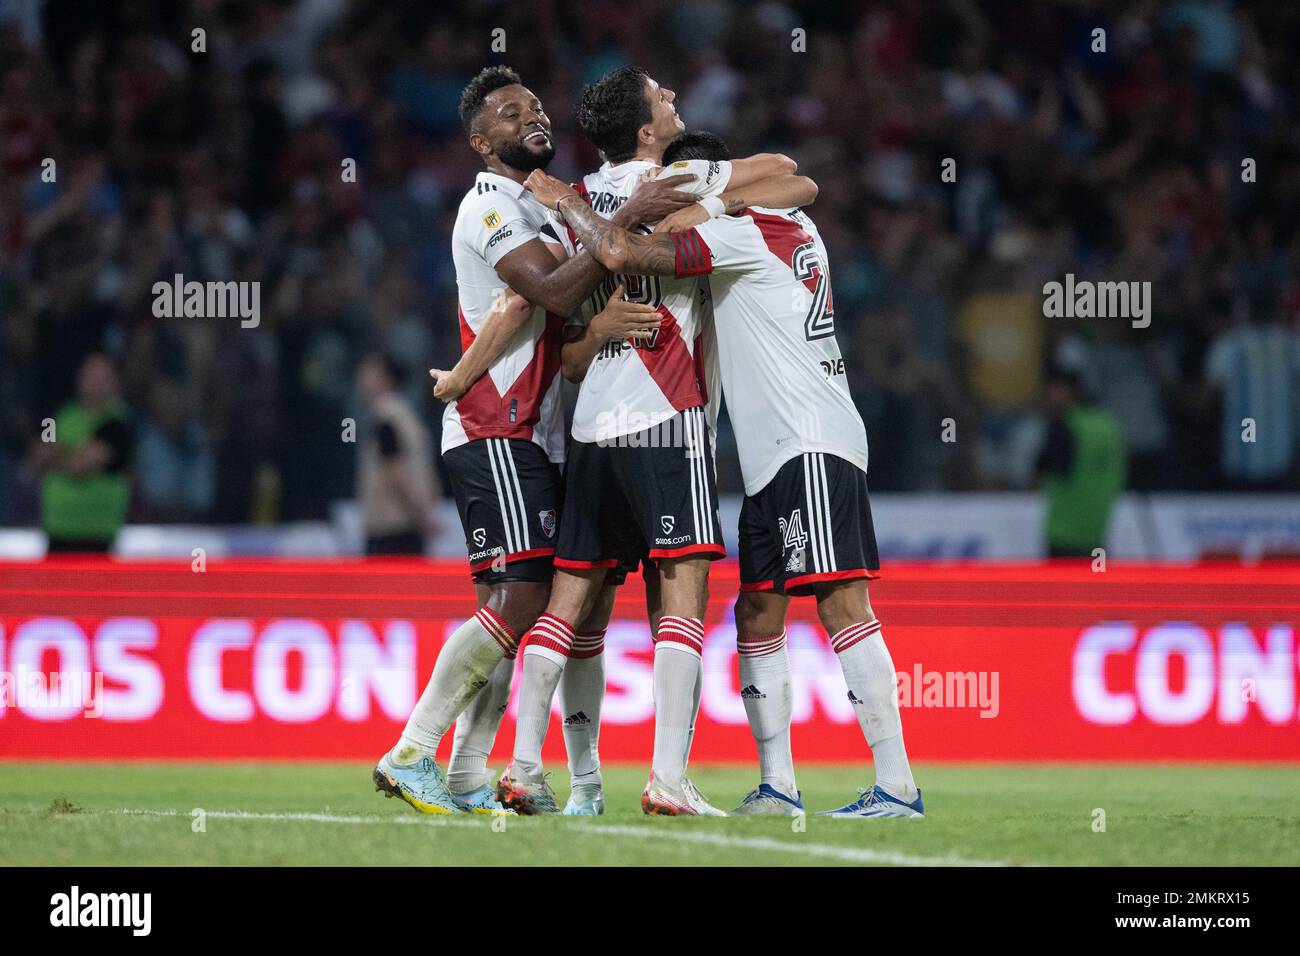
<point x="1121" y="164"/>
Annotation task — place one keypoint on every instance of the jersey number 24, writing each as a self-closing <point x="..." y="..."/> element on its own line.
<point x="811" y="271"/>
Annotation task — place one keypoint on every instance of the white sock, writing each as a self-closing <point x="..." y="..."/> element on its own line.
<point x="464" y="665"/>
<point x="546" y="649"/>
<point x="766" y="691"/>
<point x="869" y="672"/>
<point x="696" y="696"/>
<point x="678" y="647"/>
<point x="476" y="731"/>
<point x="582" y="690"/>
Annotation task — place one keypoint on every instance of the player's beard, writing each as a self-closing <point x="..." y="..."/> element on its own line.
<point x="518" y="156"/>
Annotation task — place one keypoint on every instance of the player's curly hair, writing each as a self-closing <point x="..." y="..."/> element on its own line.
<point x="697" y="144"/>
<point x="476" y="91"/>
<point x="612" y="109"/>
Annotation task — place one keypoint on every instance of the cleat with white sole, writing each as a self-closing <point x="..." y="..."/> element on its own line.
<point x="526" y="797"/>
<point x="685" y="800"/>
<point x="482" y="802"/>
<point x="585" y="800"/>
<point x="878" y="802"/>
<point x="767" y="801"/>
<point x="422" y="784"/>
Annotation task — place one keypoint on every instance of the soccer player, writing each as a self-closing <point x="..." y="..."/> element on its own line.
<point x="805" y="526"/>
<point x="640" y="478"/>
<point x="502" y="438"/>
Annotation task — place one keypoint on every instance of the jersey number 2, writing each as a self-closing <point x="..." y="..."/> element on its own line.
<point x="808" y="267"/>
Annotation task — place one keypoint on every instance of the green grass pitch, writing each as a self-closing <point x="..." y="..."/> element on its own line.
<point x="324" y="814"/>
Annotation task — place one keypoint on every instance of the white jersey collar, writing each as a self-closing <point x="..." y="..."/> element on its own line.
<point x="618" y="172"/>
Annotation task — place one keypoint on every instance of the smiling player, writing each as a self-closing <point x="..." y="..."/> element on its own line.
<point x="503" y="437"/>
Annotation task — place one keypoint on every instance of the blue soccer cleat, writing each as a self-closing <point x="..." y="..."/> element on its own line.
<point x="585" y="800"/>
<point x="767" y="801"/>
<point x="421" y="784"/>
<point x="878" y="803"/>
<point x="482" y="801"/>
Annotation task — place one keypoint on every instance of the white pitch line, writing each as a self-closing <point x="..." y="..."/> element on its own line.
<point x="823" y="850"/>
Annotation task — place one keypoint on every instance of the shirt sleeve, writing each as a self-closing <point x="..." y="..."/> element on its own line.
<point x="711" y="178"/>
<point x="725" y="244"/>
<point x="502" y="226"/>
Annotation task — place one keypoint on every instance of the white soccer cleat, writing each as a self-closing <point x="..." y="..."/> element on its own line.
<point x="586" y="800"/>
<point x="767" y="801"/>
<point x="681" y="801"/>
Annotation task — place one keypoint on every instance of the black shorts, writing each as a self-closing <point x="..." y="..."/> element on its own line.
<point x="811" y="523"/>
<point x="508" y="495"/>
<point x="649" y="495"/>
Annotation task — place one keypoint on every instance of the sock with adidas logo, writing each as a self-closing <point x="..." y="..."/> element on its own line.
<point x="582" y="690"/>
<point x="476" y="731"/>
<point x="765" y="690"/>
<point x="546" y="651"/>
<point x="873" y="691"/>
<point x="679" y="644"/>
<point x="463" y="667"/>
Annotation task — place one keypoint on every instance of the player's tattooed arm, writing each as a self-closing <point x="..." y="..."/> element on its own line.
<point x="619" y="321"/>
<point x="614" y="247"/>
<point x="775" y="192"/>
<point x="508" y="315"/>
<point x="561" y="287"/>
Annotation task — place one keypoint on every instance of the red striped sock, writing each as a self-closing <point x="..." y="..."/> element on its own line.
<point x="843" y="640"/>
<point x="552" y="633"/>
<point x="587" y="644"/>
<point x="501" y="632"/>
<point x="750" y="646"/>
<point x="684" y="633"/>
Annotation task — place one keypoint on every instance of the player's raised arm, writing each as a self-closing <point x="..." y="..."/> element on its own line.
<point x="781" y="191"/>
<point x="751" y="169"/>
<point x="532" y="270"/>
<point x="613" y="246"/>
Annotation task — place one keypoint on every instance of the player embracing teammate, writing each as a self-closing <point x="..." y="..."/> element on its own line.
<point x="639" y="484"/>
<point x="503" y="440"/>
<point x="805" y="526"/>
